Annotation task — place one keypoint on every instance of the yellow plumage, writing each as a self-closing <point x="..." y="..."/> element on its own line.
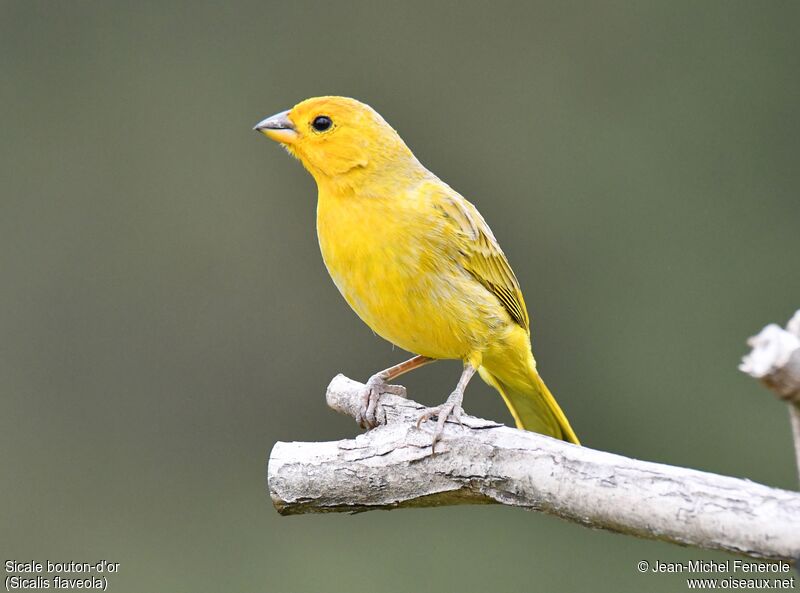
<point x="413" y="258"/>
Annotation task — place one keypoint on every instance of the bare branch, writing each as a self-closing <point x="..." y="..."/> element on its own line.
<point x="775" y="361"/>
<point x="484" y="462"/>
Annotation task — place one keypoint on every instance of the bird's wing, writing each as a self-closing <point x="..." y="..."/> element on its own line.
<point x="481" y="255"/>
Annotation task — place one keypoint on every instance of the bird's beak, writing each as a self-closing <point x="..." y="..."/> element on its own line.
<point x="278" y="127"/>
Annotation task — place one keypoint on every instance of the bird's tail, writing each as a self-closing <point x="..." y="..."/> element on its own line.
<point x="531" y="404"/>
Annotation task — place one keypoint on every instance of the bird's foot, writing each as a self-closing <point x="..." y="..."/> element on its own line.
<point x="449" y="409"/>
<point x="369" y="415"/>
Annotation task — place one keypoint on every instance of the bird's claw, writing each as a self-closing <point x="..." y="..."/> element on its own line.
<point x="449" y="409"/>
<point x="369" y="414"/>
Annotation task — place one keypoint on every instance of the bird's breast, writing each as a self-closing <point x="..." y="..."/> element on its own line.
<point x="384" y="260"/>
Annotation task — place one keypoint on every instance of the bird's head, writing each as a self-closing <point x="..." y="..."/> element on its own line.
<point x="337" y="136"/>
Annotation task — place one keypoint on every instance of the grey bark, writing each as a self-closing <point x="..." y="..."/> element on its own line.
<point x="484" y="462"/>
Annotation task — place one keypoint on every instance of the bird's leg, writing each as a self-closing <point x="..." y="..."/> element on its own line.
<point x="377" y="385"/>
<point x="451" y="407"/>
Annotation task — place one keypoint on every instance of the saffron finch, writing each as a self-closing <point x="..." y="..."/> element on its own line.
<point x="416" y="261"/>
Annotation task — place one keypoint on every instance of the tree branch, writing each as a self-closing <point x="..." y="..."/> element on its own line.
<point x="775" y="361"/>
<point x="484" y="462"/>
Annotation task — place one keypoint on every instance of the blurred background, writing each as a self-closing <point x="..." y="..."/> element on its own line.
<point x="166" y="317"/>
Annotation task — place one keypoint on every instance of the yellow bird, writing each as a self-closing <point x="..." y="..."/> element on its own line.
<point x="416" y="261"/>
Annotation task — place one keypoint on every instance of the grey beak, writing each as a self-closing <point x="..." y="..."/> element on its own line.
<point x="279" y="121"/>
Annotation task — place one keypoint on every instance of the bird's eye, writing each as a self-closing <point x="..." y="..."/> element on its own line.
<point x="321" y="123"/>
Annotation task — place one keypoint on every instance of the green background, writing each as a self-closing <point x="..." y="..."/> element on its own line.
<point x="165" y="316"/>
